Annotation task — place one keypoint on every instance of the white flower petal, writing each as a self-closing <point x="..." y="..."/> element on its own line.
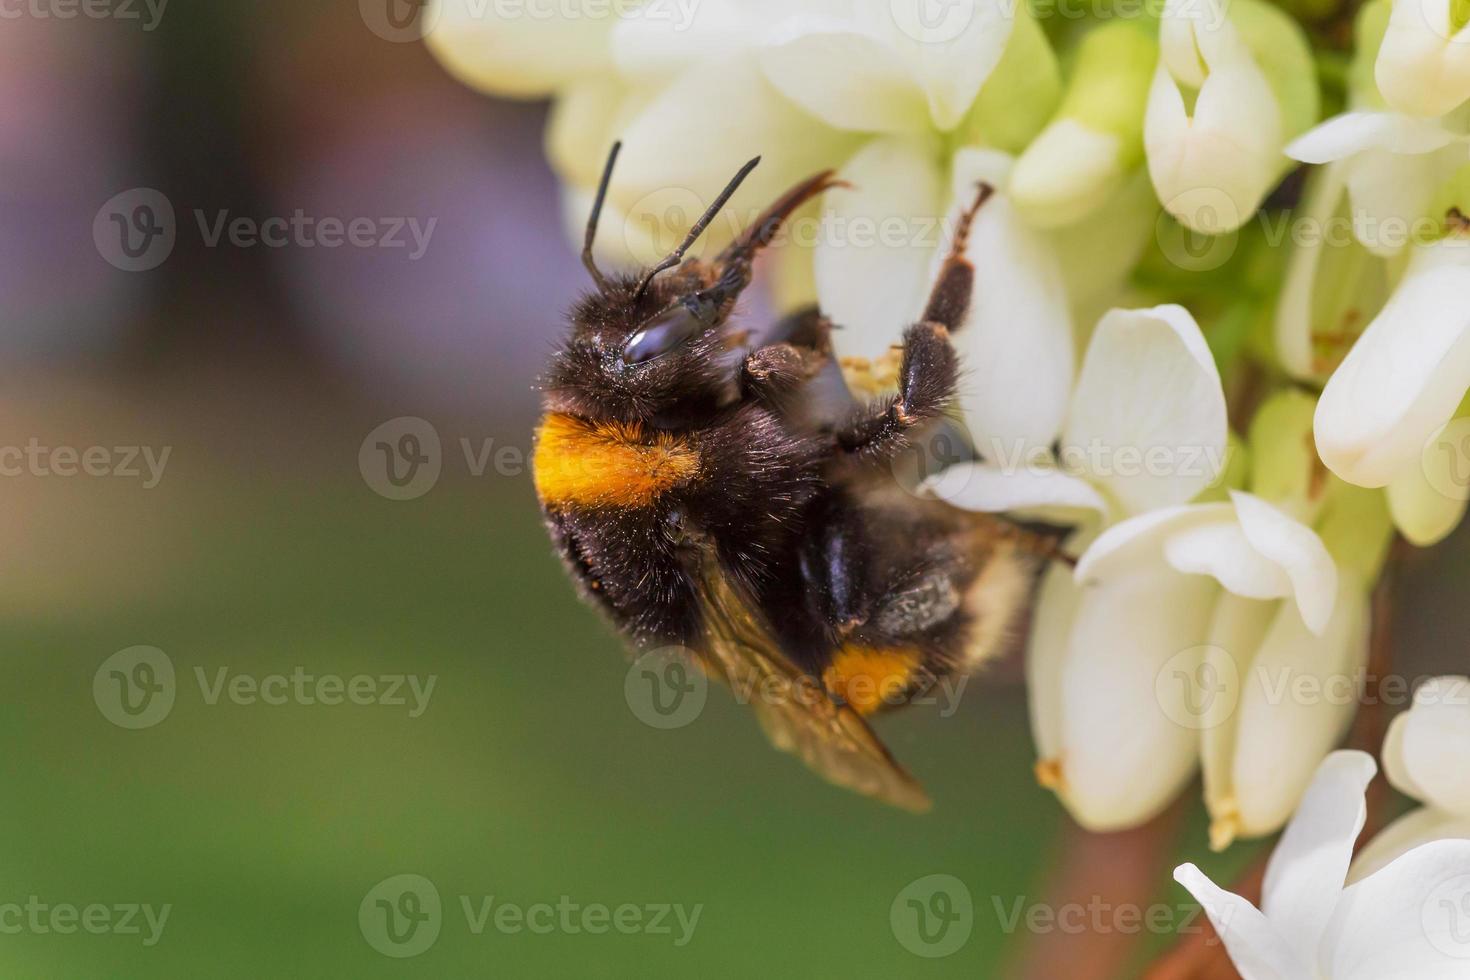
<point x="659" y="41"/>
<point x="1212" y="167"/>
<point x="1148" y="408"/>
<point x="1016" y="345"/>
<point x="1310" y="864"/>
<point x="1395" y="766"/>
<point x="1056" y="610"/>
<point x="1427" y="508"/>
<point x="586" y="119"/>
<point x="1221" y="550"/>
<point x="1351" y="133"/>
<point x="1258" y="951"/>
<point x="521" y="56"/>
<point x="951" y="53"/>
<point x="1423" y="66"/>
<point x="1126" y="751"/>
<point x="1067" y="173"/>
<point x="1141" y="539"/>
<point x="1433" y="744"/>
<point x="661" y="183"/>
<point x="1415" y="829"/>
<point x="1410" y="921"/>
<point x="1392" y="194"/>
<point x="1237" y="630"/>
<point x="872" y="270"/>
<point x="848" y="80"/>
<point x="1405" y="376"/>
<point x="1298" y="698"/>
<point x="999" y="487"/>
<point x="1297" y="549"/>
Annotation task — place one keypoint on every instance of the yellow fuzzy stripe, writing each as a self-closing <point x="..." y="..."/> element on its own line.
<point x="608" y="464"/>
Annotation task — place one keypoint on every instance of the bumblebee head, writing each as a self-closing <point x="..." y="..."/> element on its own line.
<point x="654" y="347"/>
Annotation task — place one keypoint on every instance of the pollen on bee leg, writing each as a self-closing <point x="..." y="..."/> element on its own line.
<point x="1225" y="828"/>
<point x="1049" y="775"/>
<point x="867" y="678"/>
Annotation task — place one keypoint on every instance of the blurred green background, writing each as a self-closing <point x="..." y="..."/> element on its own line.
<point x="264" y="549"/>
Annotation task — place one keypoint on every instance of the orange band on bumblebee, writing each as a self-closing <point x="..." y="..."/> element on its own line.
<point x="608" y="464"/>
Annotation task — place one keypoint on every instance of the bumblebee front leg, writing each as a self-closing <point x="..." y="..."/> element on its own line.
<point x="929" y="371"/>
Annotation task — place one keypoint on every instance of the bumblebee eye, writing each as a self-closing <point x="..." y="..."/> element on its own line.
<point x="662" y="334"/>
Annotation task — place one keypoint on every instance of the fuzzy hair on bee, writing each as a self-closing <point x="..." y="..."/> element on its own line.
<point x="697" y="501"/>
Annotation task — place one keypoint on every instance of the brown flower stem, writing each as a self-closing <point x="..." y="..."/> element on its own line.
<point x="1095" y="876"/>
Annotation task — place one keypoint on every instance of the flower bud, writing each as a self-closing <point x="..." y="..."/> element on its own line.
<point x="1423" y="68"/>
<point x="1253" y="87"/>
<point x="1087" y="151"/>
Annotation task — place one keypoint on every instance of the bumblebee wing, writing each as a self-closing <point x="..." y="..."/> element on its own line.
<point x="794" y="710"/>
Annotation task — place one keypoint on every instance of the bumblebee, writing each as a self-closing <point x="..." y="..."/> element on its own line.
<point x="698" y="501"/>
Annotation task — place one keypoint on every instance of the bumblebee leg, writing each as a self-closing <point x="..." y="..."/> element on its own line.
<point x="929" y="372"/>
<point x="949" y="301"/>
<point x="777" y="370"/>
<point x="806" y="327"/>
<point x="926" y="385"/>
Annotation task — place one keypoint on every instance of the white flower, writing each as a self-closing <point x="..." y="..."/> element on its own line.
<point x="1017" y="342"/>
<point x="1333" y="283"/>
<point x="884" y="68"/>
<point x="918" y="89"/>
<point x="1187" y="628"/>
<point x="1405" y="922"/>
<point x="1249" y="72"/>
<point x="678" y="84"/>
<point x="1144" y="428"/>
<point x="1255" y="605"/>
<point x="1392" y="166"/>
<point x="1424" y="65"/>
<point x="1403" y="381"/>
<point x="1425" y="756"/>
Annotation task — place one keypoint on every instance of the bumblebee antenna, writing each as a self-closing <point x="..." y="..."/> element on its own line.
<point x="587" y="259"/>
<point x="677" y="255"/>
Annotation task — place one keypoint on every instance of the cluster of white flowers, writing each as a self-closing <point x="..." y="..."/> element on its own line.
<point x="1203" y="595"/>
